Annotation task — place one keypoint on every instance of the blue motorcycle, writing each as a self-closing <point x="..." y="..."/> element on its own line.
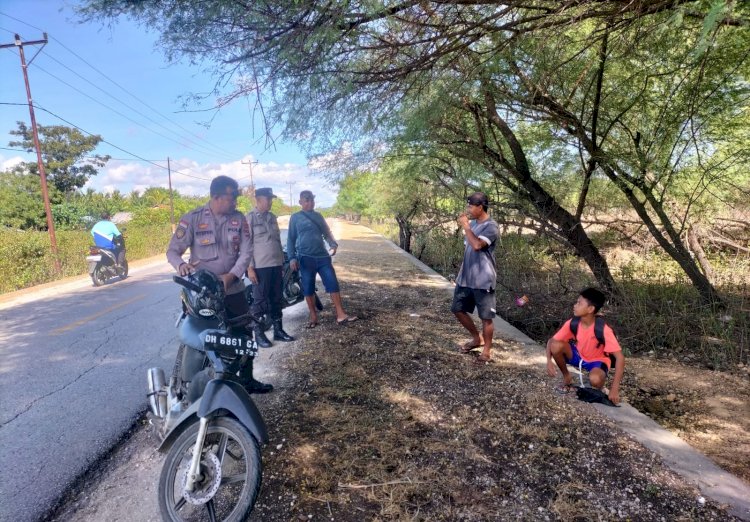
<point x="210" y="428"/>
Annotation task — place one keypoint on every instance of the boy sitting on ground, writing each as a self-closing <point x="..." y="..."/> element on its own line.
<point x="579" y="346"/>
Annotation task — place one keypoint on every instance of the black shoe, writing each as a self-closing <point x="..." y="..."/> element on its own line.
<point x="261" y="339"/>
<point x="279" y="334"/>
<point x="257" y="387"/>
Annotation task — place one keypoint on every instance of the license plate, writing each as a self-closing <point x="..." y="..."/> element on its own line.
<point x="231" y="344"/>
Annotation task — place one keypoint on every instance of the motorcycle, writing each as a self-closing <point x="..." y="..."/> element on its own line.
<point x="209" y="426"/>
<point x="107" y="263"/>
<point x="291" y="292"/>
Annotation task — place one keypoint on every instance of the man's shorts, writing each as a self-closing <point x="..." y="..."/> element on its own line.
<point x="309" y="267"/>
<point x="588" y="366"/>
<point x="466" y="299"/>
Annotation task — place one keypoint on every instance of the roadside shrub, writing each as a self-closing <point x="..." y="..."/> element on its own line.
<point x="26" y="259"/>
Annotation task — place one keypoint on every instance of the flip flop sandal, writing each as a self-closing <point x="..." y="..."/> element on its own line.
<point x="480" y="361"/>
<point x="563" y="389"/>
<point x="465" y="348"/>
<point x="310" y="325"/>
<point x="347" y="320"/>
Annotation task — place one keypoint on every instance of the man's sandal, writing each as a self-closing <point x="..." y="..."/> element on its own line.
<point x="311" y="325"/>
<point x="563" y="389"/>
<point x="468" y="347"/>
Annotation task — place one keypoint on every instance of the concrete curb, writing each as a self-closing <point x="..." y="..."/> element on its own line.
<point x="679" y="456"/>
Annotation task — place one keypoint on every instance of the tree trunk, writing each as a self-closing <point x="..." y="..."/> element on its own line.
<point x="404" y="234"/>
<point x="549" y="209"/>
<point x="700" y="254"/>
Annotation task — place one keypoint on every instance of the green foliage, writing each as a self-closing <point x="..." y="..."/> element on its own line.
<point x="21" y="204"/>
<point x="65" y="155"/>
<point x="26" y="259"/>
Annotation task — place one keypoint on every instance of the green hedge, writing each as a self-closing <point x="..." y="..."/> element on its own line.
<point x="26" y="260"/>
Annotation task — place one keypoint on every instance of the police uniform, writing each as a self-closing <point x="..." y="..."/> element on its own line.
<point x="220" y="243"/>
<point x="267" y="261"/>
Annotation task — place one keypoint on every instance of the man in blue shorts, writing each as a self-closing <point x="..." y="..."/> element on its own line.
<point x="308" y="254"/>
<point x="577" y="344"/>
<point x="475" y="284"/>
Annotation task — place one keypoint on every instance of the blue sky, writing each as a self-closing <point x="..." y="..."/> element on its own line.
<point x="112" y="81"/>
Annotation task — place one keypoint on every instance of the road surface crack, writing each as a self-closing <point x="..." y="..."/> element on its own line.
<point x="32" y="403"/>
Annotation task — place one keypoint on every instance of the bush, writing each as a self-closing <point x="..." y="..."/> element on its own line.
<point x="26" y="259"/>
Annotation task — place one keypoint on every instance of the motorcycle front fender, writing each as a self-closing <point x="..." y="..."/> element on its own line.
<point x="92" y="266"/>
<point x="221" y="394"/>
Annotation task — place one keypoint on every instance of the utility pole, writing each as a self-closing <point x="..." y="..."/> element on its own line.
<point x="291" y="201"/>
<point x="171" y="196"/>
<point x="42" y="174"/>
<point x="252" y="185"/>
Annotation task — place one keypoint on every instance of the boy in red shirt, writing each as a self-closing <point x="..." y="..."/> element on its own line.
<point x="585" y="348"/>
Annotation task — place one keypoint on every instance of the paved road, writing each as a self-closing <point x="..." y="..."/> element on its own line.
<point x="73" y="361"/>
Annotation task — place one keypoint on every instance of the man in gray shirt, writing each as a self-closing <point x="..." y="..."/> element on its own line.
<point x="308" y="254"/>
<point x="265" y="270"/>
<point x="475" y="284"/>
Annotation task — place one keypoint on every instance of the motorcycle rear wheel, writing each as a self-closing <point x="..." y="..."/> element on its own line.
<point x="240" y="470"/>
<point x="99" y="275"/>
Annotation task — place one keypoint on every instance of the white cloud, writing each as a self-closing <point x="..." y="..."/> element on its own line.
<point x="129" y="176"/>
<point x="9" y="163"/>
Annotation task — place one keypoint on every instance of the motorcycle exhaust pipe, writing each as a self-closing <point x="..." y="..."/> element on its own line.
<point x="157" y="395"/>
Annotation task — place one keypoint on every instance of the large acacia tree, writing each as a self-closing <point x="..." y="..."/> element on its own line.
<point x="637" y="90"/>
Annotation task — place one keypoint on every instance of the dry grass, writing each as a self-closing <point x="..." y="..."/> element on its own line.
<point x="385" y="420"/>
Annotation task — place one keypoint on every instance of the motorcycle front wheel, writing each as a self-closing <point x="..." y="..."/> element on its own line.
<point x="99" y="275"/>
<point x="231" y="474"/>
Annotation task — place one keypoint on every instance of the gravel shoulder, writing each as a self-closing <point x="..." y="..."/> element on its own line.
<point x="385" y="420"/>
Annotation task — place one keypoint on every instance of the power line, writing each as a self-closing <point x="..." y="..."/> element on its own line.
<point x="47" y="54"/>
<point x="85" y="157"/>
<point x="105" y="141"/>
<point x="114" y="110"/>
<point x="214" y="146"/>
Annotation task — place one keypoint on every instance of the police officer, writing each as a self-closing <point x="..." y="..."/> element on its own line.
<point x="219" y="241"/>
<point x="266" y="266"/>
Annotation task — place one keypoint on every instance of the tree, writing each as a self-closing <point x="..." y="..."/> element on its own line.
<point x="635" y="89"/>
<point x="21" y="204"/>
<point x="65" y="154"/>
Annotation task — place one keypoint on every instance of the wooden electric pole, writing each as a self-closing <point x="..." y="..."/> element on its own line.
<point x="171" y="196"/>
<point x="291" y="201"/>
<point x="42" y="175"/>
<point x="252" y="184"/>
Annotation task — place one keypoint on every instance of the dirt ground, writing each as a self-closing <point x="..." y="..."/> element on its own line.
<point x="383" y="419"/>
<point x="709" y="410"/>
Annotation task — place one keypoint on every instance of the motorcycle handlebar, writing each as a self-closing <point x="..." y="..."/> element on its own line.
<point x="187" y="284"/>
